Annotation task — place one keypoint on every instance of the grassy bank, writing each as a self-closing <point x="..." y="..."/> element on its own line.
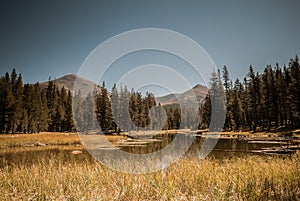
<point x="56" y="138"/>
<point x="55" y="178"/>
<point x="52" y="172"/>
<point x="46" y="138"/>
<point x="21" y="140"/>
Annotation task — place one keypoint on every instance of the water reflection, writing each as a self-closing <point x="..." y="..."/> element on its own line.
<point x="224" y="149"/>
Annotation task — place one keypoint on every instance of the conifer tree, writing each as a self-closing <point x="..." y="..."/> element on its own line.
<point x="125" y="119"/>
<point x="6" y="106"/>
<point x="51" y="94"/>
<point x="294" y="92"/>
<point x="68" y="123"/>
<point x="77" y="108"/>
<point x="17" y="104"/>
<point x="103" y="110"/>
<point x="115" y="106"/>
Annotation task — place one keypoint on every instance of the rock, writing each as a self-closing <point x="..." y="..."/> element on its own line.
<point x="29" y="145"/>
<point x="40" y="144"/>
<point x="75" y="152"/>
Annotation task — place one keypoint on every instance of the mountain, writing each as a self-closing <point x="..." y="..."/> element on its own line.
<point x="87" y="86"/>
<point x="197" y="91"/>
<point x="68" y="81"/>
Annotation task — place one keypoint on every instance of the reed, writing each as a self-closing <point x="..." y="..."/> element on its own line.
<point x="57" y="177"/>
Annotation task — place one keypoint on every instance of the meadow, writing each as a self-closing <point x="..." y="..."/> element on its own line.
<point x="52" y="172"/>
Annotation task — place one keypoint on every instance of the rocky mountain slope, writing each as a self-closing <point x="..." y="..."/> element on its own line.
<point x="199" y="92"/>
<point x="87" y="86"/>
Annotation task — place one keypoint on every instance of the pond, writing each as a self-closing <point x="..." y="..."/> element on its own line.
<point x="225" y="148"/>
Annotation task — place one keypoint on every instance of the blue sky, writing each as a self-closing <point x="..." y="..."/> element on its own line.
<point x="52" y="38"/>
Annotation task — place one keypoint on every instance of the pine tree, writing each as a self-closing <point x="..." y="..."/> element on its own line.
<point x="60" y="110"/>
<point x="6" y="100"/>
<point x="170" y="115"/>
<point x="148" y="102"/>
<point x="287" y="81"/>
<point x="125" y="119"/>
<point x="103" y="110"/>
<point x="30" y="108"/>
<point x="34" y="111"/>
<point x="237" y="105"/>
<point x="229" y="120"/>
<point x="281" y="92"/>
<point x="294" y="92"/>
<point x="43" y="116"/>
<point x="52" y="102"/>
<point x="140" y="111"/>
<point x="68" y="123"/>
<point x="77" y="108"/>
<point x="133" y="109"/>
<point x="205" y="112"/>
<point x="23" y="126"/>
<point x="115" y="105"/>
<point x="217" y="102"/>
<point x="226" y="80"/>
<point x="253" y="91"/>
<point x="158" y="118"/>
<point x="17" y="104"/>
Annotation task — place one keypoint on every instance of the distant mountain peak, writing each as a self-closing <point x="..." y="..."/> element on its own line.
<point x="199" y="86"/>
<point x="67" y="81"/>
<point x="199" y="91"/>
<point x="86" y="86"/>
<point x="69" y="76"/>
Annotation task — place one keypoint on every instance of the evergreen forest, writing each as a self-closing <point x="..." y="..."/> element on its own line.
<point x="260" y="101"/>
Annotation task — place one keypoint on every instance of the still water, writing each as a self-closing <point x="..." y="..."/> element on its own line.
<point x="223" y="149"/>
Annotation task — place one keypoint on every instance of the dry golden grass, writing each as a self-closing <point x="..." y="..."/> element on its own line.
<point x="20" y="140"/>
<point x="49" y="138"/>
<point x="63" y="178"/>
<point x="54" y="173"/>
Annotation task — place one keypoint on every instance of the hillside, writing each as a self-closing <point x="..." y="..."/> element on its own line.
<point x="68" y="82"/>
<point x="87" y="86"/>
<point x="199" y="91"/>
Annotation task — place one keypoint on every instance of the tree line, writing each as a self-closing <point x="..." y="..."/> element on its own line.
<point x="122" y="110"/>
<point x="263" y="101"/>
<point x="31" y="108"/>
